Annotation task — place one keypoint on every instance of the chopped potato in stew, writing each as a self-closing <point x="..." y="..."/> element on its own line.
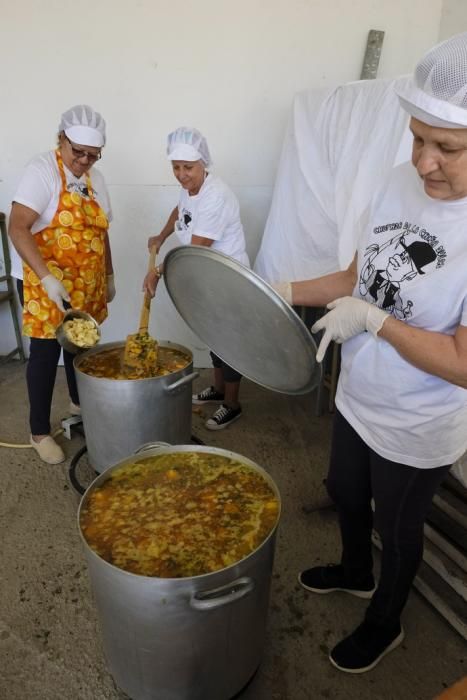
<point x="180" y="514"/>
<point x="81" y="332"/>
<point x="109" y="364"/>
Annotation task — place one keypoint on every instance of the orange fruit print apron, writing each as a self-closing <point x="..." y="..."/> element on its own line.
<point x="73" y="249"/>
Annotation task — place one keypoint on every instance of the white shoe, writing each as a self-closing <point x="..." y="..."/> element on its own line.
<point x="74" y="409"/>
<point x="48" y="450"/>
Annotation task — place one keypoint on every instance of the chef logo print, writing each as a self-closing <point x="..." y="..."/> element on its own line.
<point x="82" y="190"/>
<point x="183" y="221"/>
<point x="390" y="267"/>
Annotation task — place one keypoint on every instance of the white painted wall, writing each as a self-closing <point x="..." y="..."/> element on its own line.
<point x="231" y="69"/>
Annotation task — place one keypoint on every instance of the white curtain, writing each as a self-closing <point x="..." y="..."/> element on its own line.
<point x="339" y="147"/>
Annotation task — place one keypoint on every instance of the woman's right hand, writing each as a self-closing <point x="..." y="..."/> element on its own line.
<point x="55" y="290"/>
<point x="150" y="282"/>
<point x="157" y="241"/>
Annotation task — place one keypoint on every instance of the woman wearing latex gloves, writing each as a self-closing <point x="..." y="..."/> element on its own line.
<point x="400" y="311"/>
<point x="59" y="226"/>
<point x="207" y="214"/>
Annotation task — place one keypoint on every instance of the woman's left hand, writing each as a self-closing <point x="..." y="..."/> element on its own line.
<point x="151" y="281"/>
<point x="348" y="317"/>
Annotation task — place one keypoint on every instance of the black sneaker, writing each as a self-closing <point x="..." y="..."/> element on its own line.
<point x="208" y="395"/>
<point x="326" y="579"/>
<point x="223" y="417"/>
<point x="364" y="648"/>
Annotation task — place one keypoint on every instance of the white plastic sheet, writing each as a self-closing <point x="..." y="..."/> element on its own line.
<point x="339" y="147"/>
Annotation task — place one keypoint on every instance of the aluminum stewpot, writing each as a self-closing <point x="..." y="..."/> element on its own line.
<point x="119" y="415"/>
<point x="195" y="638"/>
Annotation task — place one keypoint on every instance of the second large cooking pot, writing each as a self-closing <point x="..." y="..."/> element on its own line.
<point x="119" y="415"/>
<point x="193" y="638"/>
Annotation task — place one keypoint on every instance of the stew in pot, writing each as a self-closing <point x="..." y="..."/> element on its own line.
<point x="109" y="364"/>
<point x="179" y="514"/>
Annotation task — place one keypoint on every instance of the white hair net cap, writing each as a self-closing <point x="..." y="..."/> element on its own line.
<point x="84" y="126"/>
<point x="437" y="94"/>
<point x="186" y="143"/>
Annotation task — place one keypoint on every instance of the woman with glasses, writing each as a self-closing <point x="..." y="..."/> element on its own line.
<point x="59" y="228"/>
<point x="207" y="214"/>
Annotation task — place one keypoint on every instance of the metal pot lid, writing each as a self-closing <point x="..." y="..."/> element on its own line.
<point x="242" y="319"/>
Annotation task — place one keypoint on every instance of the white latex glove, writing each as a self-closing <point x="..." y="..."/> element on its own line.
<point x="348" y="317"/>
<point x="284" y="289"/>
<point x="110" y="288"/>
<point x="55" y="290"/>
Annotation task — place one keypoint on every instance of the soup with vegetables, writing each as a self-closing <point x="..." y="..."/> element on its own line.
<point x="180" y="514"/>
<point x="109" y="364"/>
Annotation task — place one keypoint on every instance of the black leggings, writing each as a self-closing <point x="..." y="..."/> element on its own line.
<point x="402" y="497"/>
<point x="44" y="355"/>
<point x="229" y="373"/>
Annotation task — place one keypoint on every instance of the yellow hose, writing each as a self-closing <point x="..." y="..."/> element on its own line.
<point x="25" y="447"/>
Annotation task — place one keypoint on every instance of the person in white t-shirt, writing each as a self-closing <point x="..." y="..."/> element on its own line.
<point x="207" y="214"/>
<point x="59" y="227"/>
<point x="400" y="311"/>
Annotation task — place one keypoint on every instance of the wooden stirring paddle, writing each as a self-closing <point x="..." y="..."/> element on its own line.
<point x="140" y="356"/>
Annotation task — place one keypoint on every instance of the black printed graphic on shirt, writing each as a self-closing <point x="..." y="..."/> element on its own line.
<point x="82" y="189"/>
<point x="390" y="267"/>
<point x="184" y="220"/>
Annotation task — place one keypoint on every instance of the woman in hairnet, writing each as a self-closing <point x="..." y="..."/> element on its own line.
<point x="59" y="226"/>
<point x="400" y="311"/>
<point x="207" y="214"/>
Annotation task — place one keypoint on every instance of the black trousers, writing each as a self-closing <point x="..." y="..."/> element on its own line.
<point x="229" y="373"/>
<point x="402" y="497"/>
<point x="41" y="371"/>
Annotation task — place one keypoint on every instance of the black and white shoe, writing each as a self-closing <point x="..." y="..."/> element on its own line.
<point x="223" y="417"/>
<point x="364" y="648"/>
<point x="208" y="395"/>
<point x="327" y="579"/>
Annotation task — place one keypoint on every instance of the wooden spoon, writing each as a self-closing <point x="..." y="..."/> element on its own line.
<point x="140" y="355"/>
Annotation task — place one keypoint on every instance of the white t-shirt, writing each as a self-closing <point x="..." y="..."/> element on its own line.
<point x="39" y="189"/>
<point x="412" y="263"/>
<point x="212" y="213"/>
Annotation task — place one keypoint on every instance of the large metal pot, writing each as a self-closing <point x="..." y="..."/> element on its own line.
<point x="198" y="638"/>
<point x="119" y="415"/>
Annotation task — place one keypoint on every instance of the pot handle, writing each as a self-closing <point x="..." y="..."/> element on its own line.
<point x="151" y="446"/>
<point x="215" y="598"/>
<point x="187" y="379"/>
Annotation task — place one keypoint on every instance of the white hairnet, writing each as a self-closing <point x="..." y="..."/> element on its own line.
<point x="186" y="143"/>
<point x="83" y="125"/>
<point x="437" y="94"/>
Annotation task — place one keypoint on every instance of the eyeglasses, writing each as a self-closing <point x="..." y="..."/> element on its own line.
<point x="81" y="153"/>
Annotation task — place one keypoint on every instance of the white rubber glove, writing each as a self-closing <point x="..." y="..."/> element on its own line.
<point x="110" y="290"/>
<point x="348" y="317"/>
<point x="284" y="289"/>
<point x="55" y="290"/>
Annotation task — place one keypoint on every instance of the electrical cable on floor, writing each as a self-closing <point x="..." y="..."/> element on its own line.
<point x="25" y="446"/>
<point x="79" y="488"/>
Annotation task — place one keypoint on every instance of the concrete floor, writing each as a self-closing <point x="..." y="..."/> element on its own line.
<point x="50" y="645"/>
